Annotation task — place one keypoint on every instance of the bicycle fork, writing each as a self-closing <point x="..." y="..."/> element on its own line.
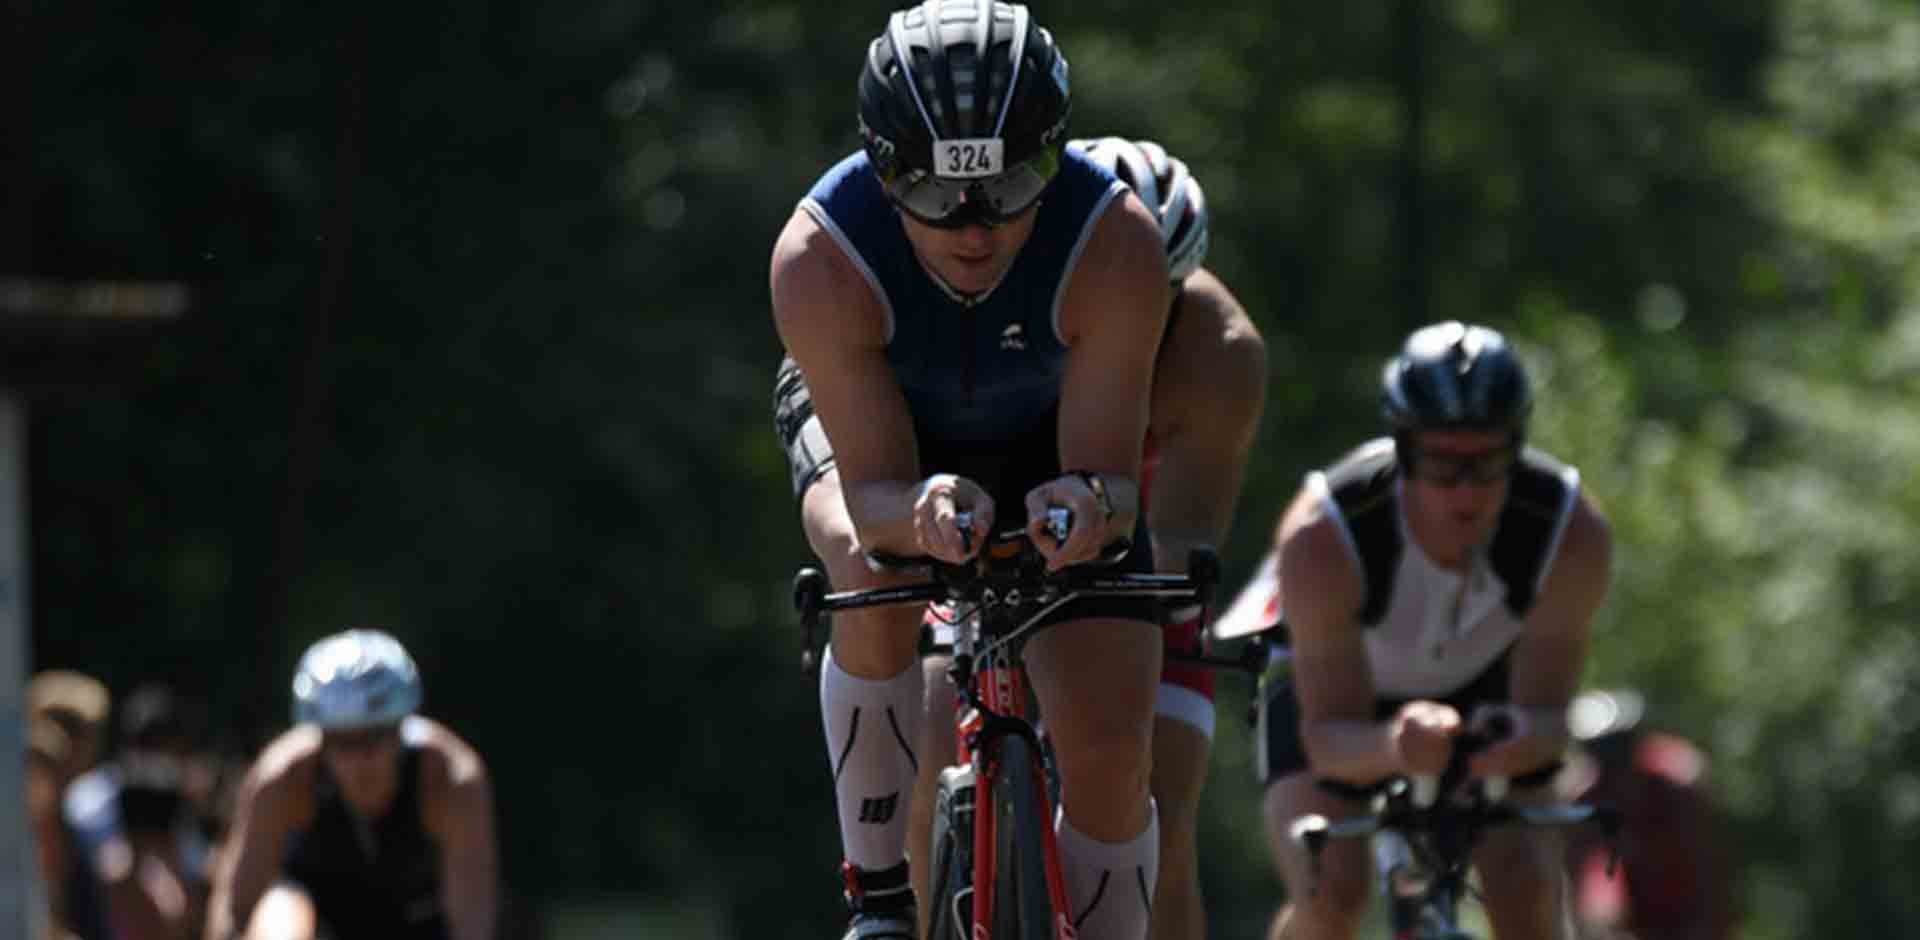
<point x="983" y="730"/>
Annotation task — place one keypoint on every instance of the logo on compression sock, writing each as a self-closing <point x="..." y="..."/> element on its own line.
<point x="879" y="810"/>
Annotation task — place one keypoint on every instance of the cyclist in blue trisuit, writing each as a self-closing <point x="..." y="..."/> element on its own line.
<point x="365" y="819"/>
<point x="1430" y="577"/>
<point x="976" y="311"/>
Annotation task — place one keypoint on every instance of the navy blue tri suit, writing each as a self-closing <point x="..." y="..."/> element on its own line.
<point x="981" y="374"/>
<point x="370" y="878"/>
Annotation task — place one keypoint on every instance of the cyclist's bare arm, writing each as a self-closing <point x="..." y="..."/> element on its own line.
<point x="1331" y="677"/>
<point x="835" y="327"/>
<point x="274" y="800"/>
<point x="457" y="808"/>
<point x="1112" y="313"/>
<point x="1208" y="396"/>
<point x="1548" y="657"/>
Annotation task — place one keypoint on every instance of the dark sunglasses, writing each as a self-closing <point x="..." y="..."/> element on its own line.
<point x="361" y="740"/>
<point x="950" y="203"/>
<point x="1480" y="468"/>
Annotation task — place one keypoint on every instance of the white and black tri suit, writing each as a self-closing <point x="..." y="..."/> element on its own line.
<point x="981" y="374"/>
<point x="1431" y="632"/>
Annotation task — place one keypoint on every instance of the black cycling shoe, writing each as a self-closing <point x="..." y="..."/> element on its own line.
<point x="881" y="904"/>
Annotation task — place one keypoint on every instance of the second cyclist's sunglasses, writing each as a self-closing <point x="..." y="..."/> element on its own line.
<point x="949" y="203"/>
<point x="1479" y="468"/>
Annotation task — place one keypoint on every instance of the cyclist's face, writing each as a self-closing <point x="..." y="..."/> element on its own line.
<point x="970" y="258"/>
<point x="367" y="765"/>
<point x="1455" y="506"/>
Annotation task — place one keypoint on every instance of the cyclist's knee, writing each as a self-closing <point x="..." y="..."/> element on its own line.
<point x="1104" y="785"/>
<point x="1329" y="896"/>
<point x="285" y="912"/>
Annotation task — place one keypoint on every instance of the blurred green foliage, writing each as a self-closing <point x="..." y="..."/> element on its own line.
<point x="482" y="351"/>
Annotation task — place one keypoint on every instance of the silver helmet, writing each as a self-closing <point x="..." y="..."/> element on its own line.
<point x="1164" y="185"/>
<point x="355" y="679"/>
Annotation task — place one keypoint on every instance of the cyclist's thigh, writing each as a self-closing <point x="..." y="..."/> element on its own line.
<point x="809" y="453"/>
<point x="875" y="642"/>
<point x="1096" y="680"/>
<point x="1345" y="868"/>
<point x="285" y="912"/>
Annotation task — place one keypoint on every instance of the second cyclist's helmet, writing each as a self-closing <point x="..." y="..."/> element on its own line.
<point x="1453" y="376"/>
<point x="963" y="109"/>
<point x="355" y="679"/>
<point x="1163" y="183"/>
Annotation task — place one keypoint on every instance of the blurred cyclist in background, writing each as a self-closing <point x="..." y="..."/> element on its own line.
<point x="1432" y="576"/>
<point x="365" y="819"/>
<point x="1675" y="878"/>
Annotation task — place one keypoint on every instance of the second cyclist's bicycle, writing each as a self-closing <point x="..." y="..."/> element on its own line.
<point x="1423" y="831"/>
<point x="996" y="867"/>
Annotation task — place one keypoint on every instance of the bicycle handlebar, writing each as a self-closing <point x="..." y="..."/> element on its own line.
<point x="1059" y="525"/>
<point x="986" y="576"/>
<point x="1413" y="808"/>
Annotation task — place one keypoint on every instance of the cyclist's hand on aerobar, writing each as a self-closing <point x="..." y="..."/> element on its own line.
<point x="1422" y="733"/>
<point x="1089" y="532"/>
<point x="936" y="501"/>
<point x="1514" y="749"/>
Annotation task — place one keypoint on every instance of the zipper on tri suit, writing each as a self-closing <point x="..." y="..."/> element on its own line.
<point x="966" y="367"/>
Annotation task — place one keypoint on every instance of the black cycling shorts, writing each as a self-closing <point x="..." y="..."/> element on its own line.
<point x="809" y="455"/>
<point x="1278" y="751"/>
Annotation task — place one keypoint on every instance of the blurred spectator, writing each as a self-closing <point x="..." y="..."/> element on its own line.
<point x="48" y="752"/>
<point x="1675" y="880"/>
<point x="138" y="866"/>
<point x="79" y="704"/>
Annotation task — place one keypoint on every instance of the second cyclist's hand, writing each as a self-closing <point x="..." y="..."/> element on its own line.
<point x="936" y="503"/>
<point x="1089" y="533"/>
<point x="1423" y="734"/>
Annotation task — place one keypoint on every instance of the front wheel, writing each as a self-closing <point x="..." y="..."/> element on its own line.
<point x="1022" y="904"/>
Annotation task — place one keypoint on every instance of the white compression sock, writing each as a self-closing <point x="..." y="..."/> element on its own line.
<point x="1110" y="885"/>
<point x="872" y="726"/>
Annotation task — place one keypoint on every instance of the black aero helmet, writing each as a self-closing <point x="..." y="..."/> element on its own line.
<point x="963" y="110"/>
<point x="1452" y="376"/>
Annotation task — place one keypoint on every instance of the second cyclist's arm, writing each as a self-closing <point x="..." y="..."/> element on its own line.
<point x="1112" y="314"/>
<point x="1331" y="676"/>
<point x="835" y="328"/>
<point x="1209" y="391"/>
<point x="1544" y="672"/>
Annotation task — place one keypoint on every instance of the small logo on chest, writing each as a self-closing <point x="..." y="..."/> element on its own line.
<point x="1013" y="337"/>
